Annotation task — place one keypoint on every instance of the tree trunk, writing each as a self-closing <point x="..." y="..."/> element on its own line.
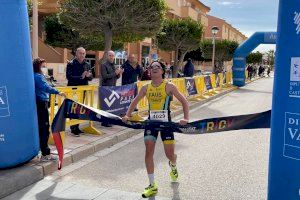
<point x="182" y="58"/>
<point x="107" y="47"/>
<point x="108" y="42"/>
<point x="219" y="67"/>
<point x="175" y="67"/>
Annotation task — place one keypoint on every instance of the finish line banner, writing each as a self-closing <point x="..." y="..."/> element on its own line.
<point x="73" y="110"/>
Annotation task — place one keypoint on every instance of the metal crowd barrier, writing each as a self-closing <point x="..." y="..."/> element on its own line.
<point x="81" y="94"/>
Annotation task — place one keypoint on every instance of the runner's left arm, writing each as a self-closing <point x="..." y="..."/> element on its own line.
<point x="141" y="94"/>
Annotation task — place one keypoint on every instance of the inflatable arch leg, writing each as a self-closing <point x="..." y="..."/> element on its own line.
<point x="284" y="176"/>
<point x="18" y="119"/>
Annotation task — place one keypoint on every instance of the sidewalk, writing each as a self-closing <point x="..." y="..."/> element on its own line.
<point x="76" y="149"/>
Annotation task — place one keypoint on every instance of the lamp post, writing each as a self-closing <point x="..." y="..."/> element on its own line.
<point x="214" y="31"/>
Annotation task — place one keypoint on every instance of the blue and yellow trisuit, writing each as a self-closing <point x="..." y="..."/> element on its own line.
<point x="159" y="109"/>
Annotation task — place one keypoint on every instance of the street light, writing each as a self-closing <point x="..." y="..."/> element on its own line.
<point x="214" y="31"/>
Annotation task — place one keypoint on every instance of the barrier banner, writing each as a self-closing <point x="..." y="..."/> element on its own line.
<point x="207" y="81"/>
<point x="116" y="99"/>
<point x="73" y="110"/>
<point x="190" y="86"/>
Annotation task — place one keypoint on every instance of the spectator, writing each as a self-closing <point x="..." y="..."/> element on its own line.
<point x="172" y="69"/>
<point x="250" y="71"/>
<point x="146" y="74"/>
<point x="42" y="91"/>
<point x="132" y="71"/>
<point x="78" y="73"/>
<point x="110" y="74"/>
<point x="261" y="70"/>
<point x="188" y="70"/>
<point x="269" y="71"/>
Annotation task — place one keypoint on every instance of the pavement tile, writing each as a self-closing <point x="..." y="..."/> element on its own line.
<point x="118" y="195"/>
<point x="41" y="190"/>
<point x="15" y="179"/>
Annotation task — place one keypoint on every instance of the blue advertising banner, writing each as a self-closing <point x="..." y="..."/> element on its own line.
<point x="116" y="99"/>
<point x="284" y="162"/>
<point x="190" y="86"/>
<point x="207" y="82"/>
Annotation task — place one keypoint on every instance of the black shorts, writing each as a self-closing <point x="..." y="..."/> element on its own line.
<point x="166" y="136"/>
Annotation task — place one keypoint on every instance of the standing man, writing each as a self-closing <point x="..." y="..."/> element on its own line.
<point x="110" y="74"/>
<point x="189" y="69"/>
<point x="132" y="71"/>
<point x="78" y="73"/>
<point x="159" y="93"/>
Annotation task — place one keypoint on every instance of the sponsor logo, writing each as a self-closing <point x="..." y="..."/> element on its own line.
<point x="4" y="106"/>
<point x="148" y="132"/>
<point x="98" y="116"/>
<point x="112" y="98"/>
<point x="292" y="136"/>
<point x="294" y="89"/>
<point x="297" y="22"/>
<point x="188" y="130"/>
<point x="188" y="85"/>
<point x="295" y="69"/>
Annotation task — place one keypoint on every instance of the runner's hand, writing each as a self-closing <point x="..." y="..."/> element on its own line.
<point x="183" y="122"/>
<point x="125" y="118"/>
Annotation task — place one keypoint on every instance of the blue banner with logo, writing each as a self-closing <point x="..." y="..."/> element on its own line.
<point x="284" y="162"/>
<point x="190" y="86"/>
<point x="207" y="82"/>
<point x="116" y="99"/>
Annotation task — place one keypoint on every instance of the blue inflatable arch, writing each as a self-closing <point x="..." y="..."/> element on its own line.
<point x="19" y="137"/>
<point x="240" y="54"/>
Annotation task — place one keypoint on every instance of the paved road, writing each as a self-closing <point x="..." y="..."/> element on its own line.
<point x="228" y="165"/>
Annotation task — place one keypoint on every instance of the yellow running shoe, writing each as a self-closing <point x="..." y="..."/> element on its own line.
<point x="150" y="191"/>
<point x="173" y="173"/>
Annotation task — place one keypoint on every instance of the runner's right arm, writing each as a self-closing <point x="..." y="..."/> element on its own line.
<point x="141" y="95"/>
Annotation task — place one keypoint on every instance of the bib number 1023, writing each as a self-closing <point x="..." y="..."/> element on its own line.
<point x="159" y="115"/>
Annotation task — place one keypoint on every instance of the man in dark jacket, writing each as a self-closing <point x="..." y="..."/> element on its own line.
<point x="110" y="74"/>
<point x="189" y="68"/>
<point x="78" y="73"/>
<point x="132" y="71"/>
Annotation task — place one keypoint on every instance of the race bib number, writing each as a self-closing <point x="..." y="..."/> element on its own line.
<point x="159" y="115"/>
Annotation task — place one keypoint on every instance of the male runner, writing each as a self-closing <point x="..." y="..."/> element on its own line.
<point x="159" y="93"/>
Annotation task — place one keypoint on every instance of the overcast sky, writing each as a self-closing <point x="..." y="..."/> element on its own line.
<point x="248" y="16"/>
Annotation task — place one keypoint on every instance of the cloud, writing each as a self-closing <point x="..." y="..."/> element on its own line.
<point x="228" y="3"/>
